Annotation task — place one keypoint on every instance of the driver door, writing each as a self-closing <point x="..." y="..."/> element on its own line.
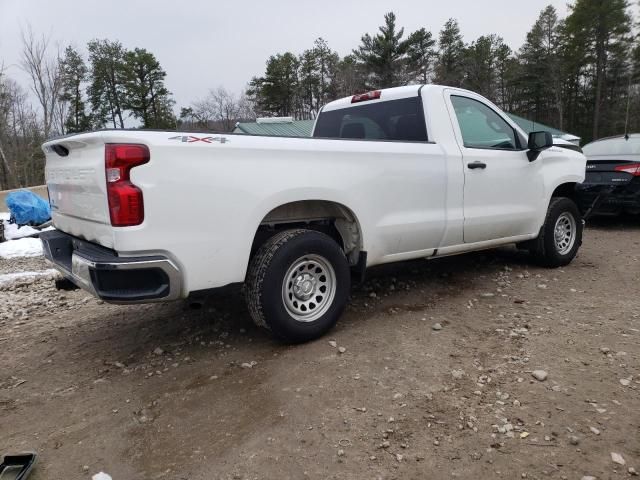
<point x="502" y="189"/>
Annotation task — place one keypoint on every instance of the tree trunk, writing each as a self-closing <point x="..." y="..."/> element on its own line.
<point x="600" y="54"/>
<point x="77" y="106"/>
<point x="6" y="170"/>
<point x="115" y="100"/>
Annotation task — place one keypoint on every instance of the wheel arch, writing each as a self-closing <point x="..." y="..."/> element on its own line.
<point x="330" y="217"/>
<point x="566" y="189"/>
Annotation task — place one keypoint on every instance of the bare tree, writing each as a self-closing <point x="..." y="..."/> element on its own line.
<point x="221" y="109"/>
<point x="203" y="111"/>
<point x="60" y="112"/>
<point x="227" y="107"/>
<point x="43" y="69"/>
<point x="246" y="108"/>
<point x="21" y="159"/>
<point x="6" y="173"/>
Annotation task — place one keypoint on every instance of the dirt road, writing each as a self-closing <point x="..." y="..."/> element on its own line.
<point x="166" y="392"/>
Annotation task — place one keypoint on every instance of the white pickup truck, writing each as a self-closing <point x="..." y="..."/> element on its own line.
<point x="409" y="172"/>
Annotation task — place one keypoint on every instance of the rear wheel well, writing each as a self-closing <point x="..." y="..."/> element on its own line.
<point x="330" y="218"/>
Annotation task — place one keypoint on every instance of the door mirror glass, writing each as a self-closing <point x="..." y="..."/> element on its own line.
<point x="540" y="140"/>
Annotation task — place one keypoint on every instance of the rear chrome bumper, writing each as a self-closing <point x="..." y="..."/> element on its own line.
<point x="114" y="279"/>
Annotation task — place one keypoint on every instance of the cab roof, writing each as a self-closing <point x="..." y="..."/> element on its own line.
<point x="395" y="93"/>
<point x="386" y="94"/>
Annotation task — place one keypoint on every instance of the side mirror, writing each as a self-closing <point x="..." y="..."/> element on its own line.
<point x="538" y="141"/>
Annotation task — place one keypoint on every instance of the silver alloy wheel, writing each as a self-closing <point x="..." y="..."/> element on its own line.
<point x="308" y="288"/>
<point x="565" y="233"/>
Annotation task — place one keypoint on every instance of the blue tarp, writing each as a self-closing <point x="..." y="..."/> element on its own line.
<point x="27" y="208"/>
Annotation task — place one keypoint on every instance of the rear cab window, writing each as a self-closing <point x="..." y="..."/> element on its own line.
<point x="393" y="120"/>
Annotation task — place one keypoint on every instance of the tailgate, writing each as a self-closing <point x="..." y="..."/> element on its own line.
<point x="75" y="175"/>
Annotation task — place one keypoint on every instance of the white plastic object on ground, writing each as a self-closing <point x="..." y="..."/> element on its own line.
<point x="23" y="247"/>
<point x="101" y="476"/>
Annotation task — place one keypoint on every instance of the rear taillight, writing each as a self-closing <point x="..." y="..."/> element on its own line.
<point x="363" y="97"/>
<point x="632" y="168"/>
<point x="126" y="207"/>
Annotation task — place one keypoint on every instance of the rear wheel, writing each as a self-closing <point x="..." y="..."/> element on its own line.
<point x="560" y="236"/>
<point x="298" y="285"/>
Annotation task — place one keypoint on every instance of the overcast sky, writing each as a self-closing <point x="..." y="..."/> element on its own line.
<point x="202" y="44"/>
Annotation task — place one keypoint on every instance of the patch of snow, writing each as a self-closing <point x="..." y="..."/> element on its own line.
<point x="8" y="278"/>
<point x="5" y="216"/>
<point x="24" y="247"/>
<point x="13" y="231"/>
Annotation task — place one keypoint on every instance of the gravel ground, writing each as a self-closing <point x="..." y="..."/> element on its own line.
<point x="479" y="366"/>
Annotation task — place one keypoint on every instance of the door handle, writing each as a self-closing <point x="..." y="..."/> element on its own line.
<point x="474" y="165"/>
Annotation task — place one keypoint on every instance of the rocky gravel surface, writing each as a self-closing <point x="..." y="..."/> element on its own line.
<point x="479" y="366"/>
<point x="26" y="289"/>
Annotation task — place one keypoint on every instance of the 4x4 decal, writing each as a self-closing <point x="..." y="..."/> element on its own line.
<point x="192" y="139"/>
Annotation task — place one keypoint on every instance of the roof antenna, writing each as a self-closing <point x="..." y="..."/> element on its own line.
<point x="626" y="121"/>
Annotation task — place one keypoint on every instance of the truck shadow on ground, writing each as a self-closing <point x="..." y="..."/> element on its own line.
<point x="221" y="320"/>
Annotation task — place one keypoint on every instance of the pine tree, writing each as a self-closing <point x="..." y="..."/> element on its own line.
<point x="106" y="90"/>
<point x="309" y="84"/>
<point x="145" y="94"/>
<point x="450" y="64"/>
<point x="74" y="76"/>
<point x="350" y="77"/>
<point x="542" y="69"/>
<point x="600" y="30"/>
<point x="506" y="70"/>
<point x="383" y="56"/>
<point x="277" y="92"/>
<point x="326" y="64"/>
<point x="481" y="65"/>
<point x="421" y="55"/>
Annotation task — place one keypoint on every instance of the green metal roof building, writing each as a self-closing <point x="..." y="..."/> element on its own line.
<point x="288" y="127"/>
<point x="283" y="126"/>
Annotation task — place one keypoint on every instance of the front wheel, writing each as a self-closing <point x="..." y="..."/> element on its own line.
<point x="298" y="285"/>
<point x="560" y="236"/>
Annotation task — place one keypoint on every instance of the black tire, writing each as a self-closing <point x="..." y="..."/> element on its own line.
<point x="265" y="288"/>
<point x="545" y="249"/>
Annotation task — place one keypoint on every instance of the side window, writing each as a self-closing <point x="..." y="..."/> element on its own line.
<point x="397" y="120"/>
<point x="481" y="127"/>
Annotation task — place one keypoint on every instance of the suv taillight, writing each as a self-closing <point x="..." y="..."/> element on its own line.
<point x="632" y="168"/>
<point x="126" y="207"/>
